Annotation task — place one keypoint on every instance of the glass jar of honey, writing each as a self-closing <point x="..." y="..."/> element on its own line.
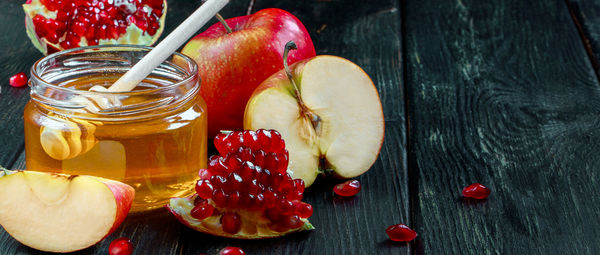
<point x="153" y="138"/>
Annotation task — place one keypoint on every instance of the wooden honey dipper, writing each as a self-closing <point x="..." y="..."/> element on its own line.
<point x="61" y="145"/>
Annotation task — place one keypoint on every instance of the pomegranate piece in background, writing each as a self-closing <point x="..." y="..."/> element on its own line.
<point x="54" y="25"/>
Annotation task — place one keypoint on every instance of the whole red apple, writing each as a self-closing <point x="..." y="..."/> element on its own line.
<point x="232" y="65"/>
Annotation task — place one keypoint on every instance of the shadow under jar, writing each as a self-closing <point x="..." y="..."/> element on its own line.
<point x="153" y="138"/>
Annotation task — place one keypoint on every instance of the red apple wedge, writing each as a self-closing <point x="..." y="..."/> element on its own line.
<point x="61" y="213"/>
<point x="328" y="112"/>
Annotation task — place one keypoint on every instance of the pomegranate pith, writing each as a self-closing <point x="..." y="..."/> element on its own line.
<point x="18" y="80"/>
<point x="348" y="188"/>
<point x="65" y="24"/>
<point x="120" y="246"/>
<point x="476" y="191"/>
<point x="250" y="188"/>
<point x="400" y="233"/>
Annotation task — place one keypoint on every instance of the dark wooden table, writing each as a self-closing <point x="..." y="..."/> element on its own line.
<point x="501" y="92"/>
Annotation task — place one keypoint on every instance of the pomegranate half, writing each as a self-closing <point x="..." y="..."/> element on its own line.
<point x="247" y="191"/>
<point x="54" y="25"/>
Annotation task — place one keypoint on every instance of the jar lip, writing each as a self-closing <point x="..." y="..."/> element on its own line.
<point x="112" y="47"/>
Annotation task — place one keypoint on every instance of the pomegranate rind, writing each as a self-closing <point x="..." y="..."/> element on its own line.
<point x="133" y="34"/>
<point x="254" y="225"/>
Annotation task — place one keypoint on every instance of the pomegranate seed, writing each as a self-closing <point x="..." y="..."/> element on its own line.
<point x="245" y="154"/>
<point x="204" y="189"/>
<point x="220" y="143"/>
<point x="303" y="210"/>
<point x="232" y="251"/>
<point x="220" y="198"/>
<point x="277" y="144"/>
<point x="18" y="80"/>
<point x="276" y="163"/>
<point x="232" y="162"/>
<point x="287" y="207"/>
<point x="202" y="211"/>
<point x="273" y="215"/>
<point x="299" y="185"/>
<point x="247" y="171"/>
<point x="250" y="139"/>
<point x="259" y="158"/>
<point x="476" y="191"/>
<point x="120" y="246"/>
<point x="234" y="199"/>
<point x="292" y="221"/>
<point x="216" y="166"/>
<point x="270" y="198"/>
<point x="231" y="223"/>
<point x="400" y="233"/>
<point x="259" y="201"/>
<point x="347" y="189"/>
<point x="264" y="138"/>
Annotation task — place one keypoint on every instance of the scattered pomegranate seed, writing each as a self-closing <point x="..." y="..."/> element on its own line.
<point x="476" y="191"/>
<point x="347" y="189"/>
<point x="400" y="233"/>
<point x="120" y="246"/>
<point x="18" y="80"/>
<point x="232" y="251"/>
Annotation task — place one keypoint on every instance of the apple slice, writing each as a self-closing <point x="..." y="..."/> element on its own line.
<point x="61" y="213"/>
<point x="327" y="111"/>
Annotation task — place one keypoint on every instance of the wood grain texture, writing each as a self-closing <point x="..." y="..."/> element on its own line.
<point x="586" y="15"/>
<point x="17" y="55"/>
<point x="344" y="226"/>
<point x="501" y="92"/>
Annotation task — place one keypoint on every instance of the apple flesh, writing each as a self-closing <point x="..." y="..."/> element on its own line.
<point x="232" y="65"/>
<point x="61" y="213"/>
<point x="332" y="123"/>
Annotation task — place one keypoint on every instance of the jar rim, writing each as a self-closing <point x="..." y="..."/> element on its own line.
<point x="35" y="69"/>
<point x="49" y="92"/>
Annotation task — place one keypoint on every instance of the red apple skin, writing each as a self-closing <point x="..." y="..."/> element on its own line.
<point x="232" y="65"/>
<point x="124" y="195"/>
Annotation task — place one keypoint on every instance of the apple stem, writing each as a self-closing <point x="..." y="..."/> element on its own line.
<point x="314" y="118"/>
<point x="222" y="20"/>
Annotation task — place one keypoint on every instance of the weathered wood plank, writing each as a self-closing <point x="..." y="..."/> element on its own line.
<point x="17" y="55"/>
<point x="502" y="93"/>
<point x="586" y="15"/>
<point x="367" y="33"/>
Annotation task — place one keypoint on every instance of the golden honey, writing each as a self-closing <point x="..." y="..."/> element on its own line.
<point x="155" y="140"/>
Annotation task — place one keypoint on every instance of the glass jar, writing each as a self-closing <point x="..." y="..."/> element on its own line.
<point x="153" y="138"/>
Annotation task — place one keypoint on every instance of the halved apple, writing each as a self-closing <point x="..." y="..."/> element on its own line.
<point x="329" y="115"/>
<point x="61" y="213"/>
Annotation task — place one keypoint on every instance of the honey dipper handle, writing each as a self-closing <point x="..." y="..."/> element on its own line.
<point x="166" y="47"/>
